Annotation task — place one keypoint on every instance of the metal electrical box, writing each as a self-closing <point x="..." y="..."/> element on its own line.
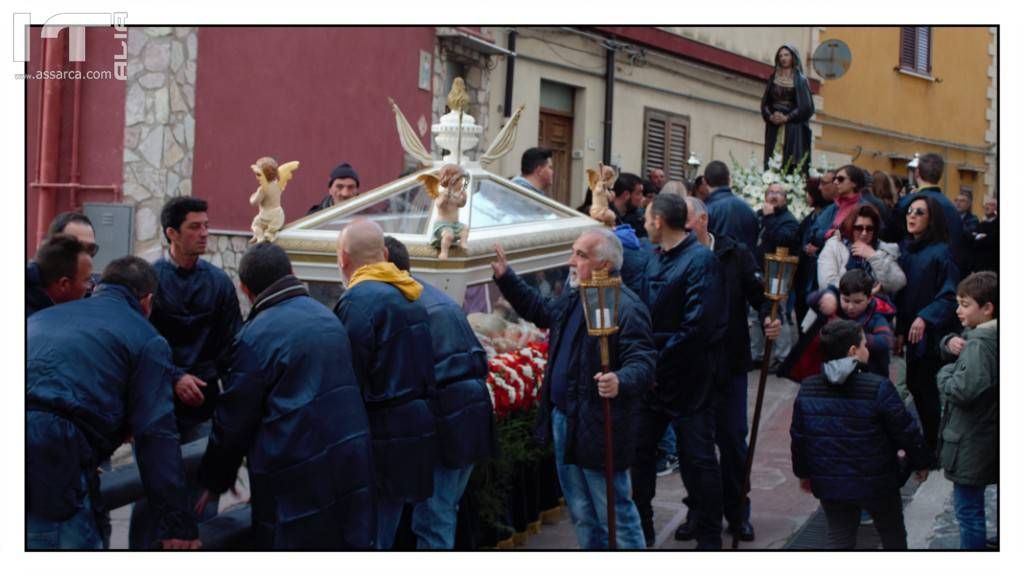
<point x="114" y="225"/>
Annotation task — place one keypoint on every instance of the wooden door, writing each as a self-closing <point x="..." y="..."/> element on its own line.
<point x="556" y="135"/>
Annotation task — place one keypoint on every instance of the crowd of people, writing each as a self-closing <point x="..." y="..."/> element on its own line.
<point x="346" y="417"/>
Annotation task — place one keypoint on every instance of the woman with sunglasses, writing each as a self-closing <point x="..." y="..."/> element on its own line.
<point x="848" y="182"/>
<point x="926" y="307"/>
<point x="857" y="246"/>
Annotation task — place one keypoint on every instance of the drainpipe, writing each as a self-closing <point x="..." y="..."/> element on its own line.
<point x="510" y="71"/>
<point x="76" y="122"/>
<point x="49" y="135"/>
<point x="609" y="101"/>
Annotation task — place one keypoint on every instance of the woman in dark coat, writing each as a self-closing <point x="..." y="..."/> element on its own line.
<point x="787" y="104"/>
<point x="926" y="307"/>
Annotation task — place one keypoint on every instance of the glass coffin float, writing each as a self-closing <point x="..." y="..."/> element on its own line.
<point x="536" y="232"/>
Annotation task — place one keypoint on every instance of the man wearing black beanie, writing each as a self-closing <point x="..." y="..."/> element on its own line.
<point x="342" y="185"/>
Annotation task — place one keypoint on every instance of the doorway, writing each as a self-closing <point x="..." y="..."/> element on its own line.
<point x="555" y="134"/>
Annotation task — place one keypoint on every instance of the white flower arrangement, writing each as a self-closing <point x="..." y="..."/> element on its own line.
<point x="752" y="180"/>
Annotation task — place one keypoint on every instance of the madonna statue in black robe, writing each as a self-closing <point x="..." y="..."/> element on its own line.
<point x="787" y="104"/>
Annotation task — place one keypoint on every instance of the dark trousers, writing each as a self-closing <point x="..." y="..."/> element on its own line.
<point x="844" y="520"/>
<point x="731" y="438"/>
<point x="144" y="524"/>
<point x="921" y="381"/>
<point x="702" y="477"/>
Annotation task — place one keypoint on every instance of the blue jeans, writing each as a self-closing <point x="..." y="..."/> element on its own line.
<point x="969" y="503"/>
<point x="76" y="533"/>
<point x="585" y="493"/>
<point x="667" y="444"/>
<point x="389" y="515"/>
<point x="434" y="519"/>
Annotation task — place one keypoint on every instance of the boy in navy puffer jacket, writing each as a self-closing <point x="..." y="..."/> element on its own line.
<point x="848" y="425"/>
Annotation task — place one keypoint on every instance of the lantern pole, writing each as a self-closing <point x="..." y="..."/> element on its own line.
<point x="782" y="257"/>
<point x="603" y="327"/>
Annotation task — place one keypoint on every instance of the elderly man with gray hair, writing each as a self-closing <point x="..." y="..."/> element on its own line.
<point x="574" y="385"/>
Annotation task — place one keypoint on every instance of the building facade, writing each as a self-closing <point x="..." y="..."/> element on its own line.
<point x="200" y="104"/>
<point x="913" y="90"/>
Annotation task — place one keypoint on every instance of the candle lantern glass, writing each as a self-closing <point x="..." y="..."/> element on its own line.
<point x="600" y="297"/>
<point x="779" y="269"/>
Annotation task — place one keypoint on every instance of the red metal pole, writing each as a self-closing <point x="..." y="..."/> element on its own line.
<point x="76" y="121"/>
<point x="49" y="133"/>
<point x="609" y="470"/>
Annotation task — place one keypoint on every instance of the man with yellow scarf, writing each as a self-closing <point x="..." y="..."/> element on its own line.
<point x="394" y="363"/>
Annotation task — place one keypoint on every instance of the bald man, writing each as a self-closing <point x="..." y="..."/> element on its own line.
<point x="394" y="363"/>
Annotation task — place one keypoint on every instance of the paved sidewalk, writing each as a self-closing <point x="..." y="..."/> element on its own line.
<point x="778" y="507"/>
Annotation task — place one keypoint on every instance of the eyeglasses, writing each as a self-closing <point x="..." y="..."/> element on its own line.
<point x="840" y="179"/>
<point x="861" y="228"/>
<point x="92" y="249"/>
<point x="917" y="212"/>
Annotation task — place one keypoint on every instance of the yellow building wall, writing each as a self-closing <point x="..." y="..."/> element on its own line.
<point x="873" y="93"/>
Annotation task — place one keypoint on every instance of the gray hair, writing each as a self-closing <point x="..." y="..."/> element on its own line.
<point x="696" y="206"/>
<point x="609" y="249"/>
<point x="674" y="187"/>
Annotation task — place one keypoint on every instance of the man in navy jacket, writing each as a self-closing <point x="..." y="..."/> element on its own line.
<point x="848" y="425"/>
<point x="60" y="273"/>
<point x="728" y="213"/>
<point x="571" y="408"/>
<point x="465" y="418"/>
<point x="686" y="300"/>
<point x="98" y="373"/>
<point x="393" y="359"/>
<point x="196" y="310"/>
<point x="292" y="407"/>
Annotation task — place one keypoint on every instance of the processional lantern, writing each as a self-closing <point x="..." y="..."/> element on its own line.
<point x="600" y="297"/>
<point x="779" y="269"/>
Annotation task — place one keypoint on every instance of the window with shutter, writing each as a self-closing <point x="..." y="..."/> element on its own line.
<point x="666" y="143"/>
<point x="916" y="49"/>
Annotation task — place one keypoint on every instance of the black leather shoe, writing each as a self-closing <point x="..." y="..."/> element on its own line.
<point x="686" y="531"/>
<point x="746" y="531"/>
<point x="648" y="528"/>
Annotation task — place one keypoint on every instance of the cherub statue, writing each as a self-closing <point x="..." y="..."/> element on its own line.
<point x="601" y="182"/>
<point x="273" y="179"/>
<point x="448" y="189"/>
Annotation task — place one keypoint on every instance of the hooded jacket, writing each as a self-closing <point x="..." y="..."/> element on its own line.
<point x="847" y="426"/>
<point x="293" y="408"/>
<point x="875" y="320"/>
<point x="635" y="254"/>
<point x="393" y="360"/>
<point x="632" y="357"/>
<point x="969" y="438"/>
<point x="97" y="372"/>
